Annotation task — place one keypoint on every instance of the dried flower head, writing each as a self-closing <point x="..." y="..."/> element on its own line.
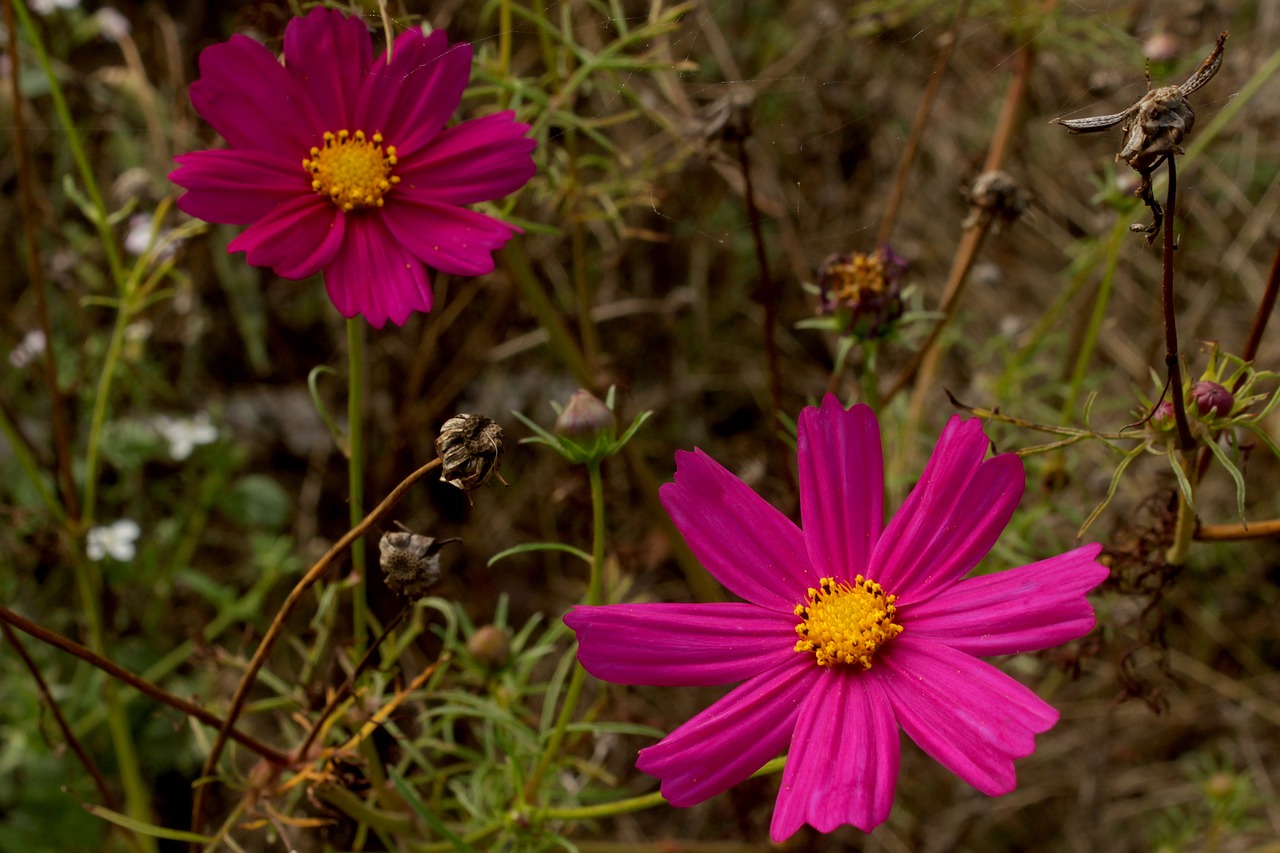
<point x="1154" y="128"/>
<point x="410" y="562"/>
<point x="865" y="287"/>
<point x="996" y="198"/>
<point x="470" y="446"/>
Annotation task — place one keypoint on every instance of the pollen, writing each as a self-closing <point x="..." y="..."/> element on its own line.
<point x="352" y="170"/>
<point x="845" y="623"/>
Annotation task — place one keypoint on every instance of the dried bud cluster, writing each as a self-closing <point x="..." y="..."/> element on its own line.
<point x="470" y="448"/>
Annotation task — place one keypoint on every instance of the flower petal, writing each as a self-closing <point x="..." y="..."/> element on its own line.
<point x="296" y="239"/>
<point x="374" y="276"/>
<point x="681" y="645"/>
<point x="329" y="54"/>
<point x="411" y="100"/>
<point x="969" y="716"/>
<point x="748" y="545"/>
<point x="843" y="762"/>
<point x="479" y="160"/>
<point x="732" y="739"/>
<point x="1020" y="610"/>
<point x="250" y="99"/>
<point x="841" y="487"/>
<point x="236" y="187"/>
<point x="451" y="239"/>
<point x="951" y="519"/>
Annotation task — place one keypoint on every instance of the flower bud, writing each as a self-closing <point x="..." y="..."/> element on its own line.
<point x="490" y="645"/>
<point x="1212" y="399"/>
<point x="584" y="416"/>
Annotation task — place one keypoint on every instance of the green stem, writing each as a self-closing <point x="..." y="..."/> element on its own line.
<point x="595" y="595"/>
<point x="114" y="348"/>
<point x="627" y="806"/>
<point x="71" y="133"/>
<point x="1185" y="527"/>
<point x="595" y="585"/>
<point x="355" y="473"/>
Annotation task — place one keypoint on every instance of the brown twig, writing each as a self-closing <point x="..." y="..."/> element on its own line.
<point x="341" y="693"/>
<point x="924" y="362"/>
<point x="1171" y="361"/>
<point x="277" y="626"/>
<point x="70" y="736"/>
<point x="30" y="222"/>
<point x="1231" y="532"/>
<point x="140" y="684"/>
<point x="1265" y="307"/>
<point x="917" y="128"/>
<point x="770" y="296"/>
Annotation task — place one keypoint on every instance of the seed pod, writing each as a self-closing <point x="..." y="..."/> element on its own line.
<point x="490" y="645"/>
<point x="410" y="562"/>
<point x="470" y="446"/>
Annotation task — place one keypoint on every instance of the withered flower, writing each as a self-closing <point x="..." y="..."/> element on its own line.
<point x="863" y="291"/>
<point x="470" y="446"/>
<point x="1154" y="128"/>
<point x="996" y="198"/>
<point x="410" y="562"/>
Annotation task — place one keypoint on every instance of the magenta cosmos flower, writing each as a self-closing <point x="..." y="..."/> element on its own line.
<point x="850" y="629"/>
<point x="341" y="162"/>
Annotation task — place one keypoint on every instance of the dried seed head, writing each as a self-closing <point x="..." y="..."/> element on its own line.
<point x="410" y="562"/>
<point x="996" y="198"/>
<point x="470" y="446"/>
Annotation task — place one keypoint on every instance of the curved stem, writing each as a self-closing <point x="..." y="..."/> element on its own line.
<point x="143" y="686"/>
<point x="1171" y="361"/>
<point x="269" y="639"/>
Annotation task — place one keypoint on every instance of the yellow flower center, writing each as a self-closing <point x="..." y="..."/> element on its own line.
<point x="844" y="623"/>
<point x="862" y="275"/>
<point x="352" y="170"/>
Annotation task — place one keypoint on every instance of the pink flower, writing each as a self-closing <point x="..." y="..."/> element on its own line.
<point x="850" y="629"/>
<point x="341" y="162"/>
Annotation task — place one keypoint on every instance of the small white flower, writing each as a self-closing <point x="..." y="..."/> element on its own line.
<point x="184" y="434"/>
<point x="47" y="7"/>
<point x="28" y="348"/>
<point x="113" y="25"/>
<point x="138" y="238"/>
<point x="116" y="539"/>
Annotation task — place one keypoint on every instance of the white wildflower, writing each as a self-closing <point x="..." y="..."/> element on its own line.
<point x="113" y="25"/>
<point x="48" y="7"/>
<point x="184" y="434"/>
<point x="116" y="540"/>
<point x="28" y="348"/>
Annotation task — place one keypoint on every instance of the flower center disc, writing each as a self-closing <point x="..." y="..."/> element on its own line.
<point x="352" y="170"/>
<point x="844" y="623"/>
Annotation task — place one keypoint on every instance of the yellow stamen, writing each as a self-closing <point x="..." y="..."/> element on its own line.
<point x="352" y="170"/>
<point x="844" y="623"/>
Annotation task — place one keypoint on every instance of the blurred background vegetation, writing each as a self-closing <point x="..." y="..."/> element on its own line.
<point x="640" y="269"/>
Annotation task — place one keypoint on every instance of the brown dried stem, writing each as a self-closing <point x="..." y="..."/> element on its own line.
<point x="276" y="629"/>
<point x="140" y="684"/>
<point x="918" y="127"/>
<point x="70" y="736"/>
<point x="342" y="692"/>
<point x="770" y="296"/>
<point x="30" y="223"/>
<point x="924" y="362"/>
<point x="1232" y="532"/>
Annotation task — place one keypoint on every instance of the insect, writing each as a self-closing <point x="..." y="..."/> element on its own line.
<point x="1153" y="129"/>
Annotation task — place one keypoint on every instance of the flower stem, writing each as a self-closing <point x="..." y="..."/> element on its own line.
<point x="595" y="595"/>
<point x="355" y="476"/>
<point x="1171" y="361"/>
<point x="277" y="627"/>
